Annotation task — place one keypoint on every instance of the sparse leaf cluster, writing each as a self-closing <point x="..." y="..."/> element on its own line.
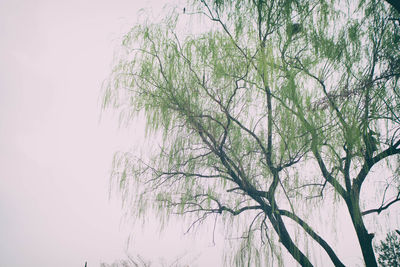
<point x="389" y="250"/>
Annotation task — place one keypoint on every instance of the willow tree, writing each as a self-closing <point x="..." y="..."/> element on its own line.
<point x="249" y="101"/>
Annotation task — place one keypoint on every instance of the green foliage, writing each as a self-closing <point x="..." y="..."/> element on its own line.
<point x="249" y="103"/>
<point x="389" y="250"/>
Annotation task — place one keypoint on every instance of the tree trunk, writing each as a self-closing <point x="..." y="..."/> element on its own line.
<point x="364" y="238"/>
<point x="395" y="4"/>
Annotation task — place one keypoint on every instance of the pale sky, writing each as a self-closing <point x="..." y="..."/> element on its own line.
<point x="56" y="153"/>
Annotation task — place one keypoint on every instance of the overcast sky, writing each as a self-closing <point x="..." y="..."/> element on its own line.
<point x="55" y="154"/>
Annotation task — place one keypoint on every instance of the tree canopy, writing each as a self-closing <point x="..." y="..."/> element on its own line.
<point x="268" y="110"/>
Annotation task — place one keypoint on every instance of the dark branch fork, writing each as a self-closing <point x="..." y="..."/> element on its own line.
<point x="383" y="206"/>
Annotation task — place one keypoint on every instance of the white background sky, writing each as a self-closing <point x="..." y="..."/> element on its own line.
<point x="55" y="154"/>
